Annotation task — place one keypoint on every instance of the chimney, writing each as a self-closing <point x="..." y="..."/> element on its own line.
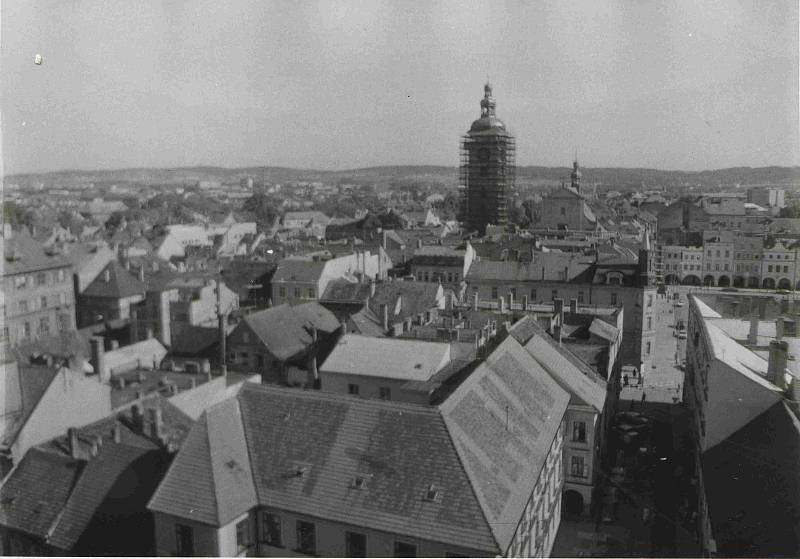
<point x="419" y="243"/>
<point x="97" y="359"/>
<point x="524" y="302"/>
<point x="475" y="301"/>
<point x="156" y="424"/>
<point x="372" y="289"/>
<point x="573" y="306"/>
<point x="557" y="333"/>
<point x="776" y="367"/>
<point x="116" y="432"/>
<point x="501" y="303"/>
<point x="137" y="417"/>
<point x="107" y="275"/>
<point x="752" y="337"/>
<point x="385" y="316"/>
<point x="72" y="441"/>
<point x="558" y="310"/>
<point x="141" y="272"/>
<point x="510" y="301"/>
<point x="779" y="328"/>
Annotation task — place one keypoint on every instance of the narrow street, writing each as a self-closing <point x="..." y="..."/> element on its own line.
<point x="644" y="484"/>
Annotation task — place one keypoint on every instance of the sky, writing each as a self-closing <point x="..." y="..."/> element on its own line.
<point x="687" y="85"/>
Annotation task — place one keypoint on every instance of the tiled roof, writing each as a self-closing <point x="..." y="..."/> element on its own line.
<point x="296" y="270"/>
<point x="752" y="481"/>
<point x="503" y="420"/>
<point x="33" y="382"/>
<point x="53" y="496"/>
<point x="344" y="291"/>
<point x="416" y="297"/>
<point x="306" y="449"/>
<point x="387" y="358"/>
<point x="23" y="254"/>
<point x="286" y="331"/>
<point x="435" y="255"/>
<point x="546" y="266"/>
<point x="317" y="316"/>
<point x="121" y="283"/>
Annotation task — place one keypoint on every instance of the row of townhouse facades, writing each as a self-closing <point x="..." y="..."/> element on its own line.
<point x="726" y="260"/>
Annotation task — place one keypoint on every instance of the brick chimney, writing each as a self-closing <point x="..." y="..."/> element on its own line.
<point x="385" y="316"/>
<point x="752" y="337"/>
<point x="72" y="442"/>
<point x="97" y="359"/>
<point x="776" y="367"/>
<point x="779" y="328"/>
<point x="558" y="310"/>
<point x="475" y="301"/>
<point x="156" y="424"/>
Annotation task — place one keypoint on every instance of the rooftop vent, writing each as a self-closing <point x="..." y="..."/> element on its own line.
<point x="433" y="494"/>
<point x="360" y="481"/>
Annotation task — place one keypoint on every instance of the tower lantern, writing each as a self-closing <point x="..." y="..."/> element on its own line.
<point x="487" y="168"/>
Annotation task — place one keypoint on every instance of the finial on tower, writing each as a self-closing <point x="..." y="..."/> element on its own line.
<point x="487" y="103"/>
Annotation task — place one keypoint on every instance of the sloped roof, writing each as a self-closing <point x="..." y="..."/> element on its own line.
<point x="33" y="382"/>
<point x="399" y="449"/>
<point x="23" y="254"/>
<point x="121" y="283"/>
<point x="387" y="358"/>
<point x="317" y="316"/>
<point x="504" y="460"/>
<point x="416" y="297"/>
<point x="292" y="269"/>
<point x="286" y="331"/>
<point x="752" y="481"/>
<point x="603" y="329"/>
<point x="345" y="291"/>
<point x="546" y="266"/>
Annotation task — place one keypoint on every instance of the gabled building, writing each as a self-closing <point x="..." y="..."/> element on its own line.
<point x="84" y="492"/>
<point x="444" y="264"/>
<point x="37" y="290"/>
<point x="324" y="474"/>
<point x="110" y="295"/>
<point x="283" y="344"/>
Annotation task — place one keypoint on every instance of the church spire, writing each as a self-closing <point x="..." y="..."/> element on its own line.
<point x="575" y="176"/>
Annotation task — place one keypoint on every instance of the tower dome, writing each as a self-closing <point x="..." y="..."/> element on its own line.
<point x="488" y="119"/>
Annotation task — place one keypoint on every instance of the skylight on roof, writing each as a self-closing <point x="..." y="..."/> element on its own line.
<point x="433" y="494"/>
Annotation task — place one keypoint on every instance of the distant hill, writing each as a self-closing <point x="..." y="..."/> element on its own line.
<point x="446" y="176"/>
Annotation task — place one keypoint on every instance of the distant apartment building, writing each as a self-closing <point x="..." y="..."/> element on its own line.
<point x="443" y="264"/>
<point x="779" y="265"/>
<point x="718" y="258"/>
<point x="747" y="260"/>
<point x="110" y="296"/>
<point x="299" y="279"/>
<point x="616" y="283"/>
<point x="682" y="265"/>
<point x="38" y="291"/>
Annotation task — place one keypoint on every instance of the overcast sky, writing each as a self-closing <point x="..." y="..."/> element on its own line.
<point x="335" y="85"/>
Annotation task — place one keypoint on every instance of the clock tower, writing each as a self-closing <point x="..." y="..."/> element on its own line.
<point x="487" y="169"/>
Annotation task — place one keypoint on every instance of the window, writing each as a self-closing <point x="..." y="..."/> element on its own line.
<point x="43" y="301"/>
<point x="577" y="466"/>
<point x="19" y="282"/>
<point x="44" y="326"/>
<point x="649" y="300"/>
<point x="769" y="268"/>
<point x="352" y="389"/>
<point x="271" y="529"/>
<point x="494" y="293"/>
<point x="355" y="544"/>
<point x="563" y="211"/>
<point x="297" y="292"/>
<point x="243" y="535"/>
<point x="533" y="294"/>
<point x="554" y="293"/>
<point x="649" y="322"/>
<point x="385" y="393"/>
<point x="184" y="537"/>
<point x="282" y="291"/>
<point x="580" y="296"/>
<point x="786" y="269"/>
<point x="41" y="278"/>
<point x="727" y="254"/>
<point x="403" y="549"/>
<point x="613" y="298"/>
<point x="26" y="330"/>
<point x="649" y="347"/>
<point x="310" y="293"/>
<point x="579" y="431"/>
<point x="306" y="537"/>
<point x="718" y="254"/>
<point x="449" y="277"/>
<point x="726" y="267"/>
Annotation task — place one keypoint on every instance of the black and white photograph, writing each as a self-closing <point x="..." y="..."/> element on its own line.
<point x="383" y="278"/>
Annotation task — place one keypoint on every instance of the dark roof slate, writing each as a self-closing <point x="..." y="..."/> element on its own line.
<point x="121" y="283"/>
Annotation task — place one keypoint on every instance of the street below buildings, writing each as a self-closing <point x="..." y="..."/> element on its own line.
<point x="643" y="486"/>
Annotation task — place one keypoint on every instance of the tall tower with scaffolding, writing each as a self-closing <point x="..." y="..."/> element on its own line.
<point x="487" y="169"/>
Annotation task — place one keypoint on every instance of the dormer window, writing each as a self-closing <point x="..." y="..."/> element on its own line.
<point x="360" y="481"/>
